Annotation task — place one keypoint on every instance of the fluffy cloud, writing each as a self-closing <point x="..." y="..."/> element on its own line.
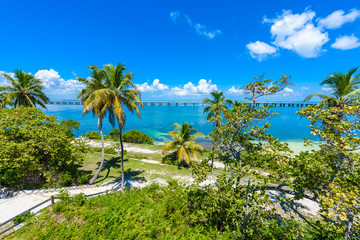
<point x="338" y="18"/>
<point x="260" y="50"/>
<point x="3" y="81"/>
<point x="305" y="88"/>
<point x="202" y="29"/>
<point x="235" y="91"/>
<point x="53" y="83"/>
<point x="346" y="42"/>
<point x="175" y="16"/>
<point x="203" y="87"/>
<point x="326" y="89"/>
<point x="155" y="86"/>
<point x="296" y="32"/>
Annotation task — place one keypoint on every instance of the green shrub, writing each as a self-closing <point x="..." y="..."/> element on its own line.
<point x="92" y="135"/>
<point x="23" y="218"/>
<point x="115" y="134"/>
<point x="110" y="150"/>
<point x="170" y="159"/>
<point x="36" y="151"/>
<point x="135" y="136"/>
<point x="154" y="212"/>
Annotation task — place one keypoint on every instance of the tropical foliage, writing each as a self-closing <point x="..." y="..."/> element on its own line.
<point x="332" y="174"/>
<point x="92" y="87"/>
<point x="344" y="89"/>
<point x="262" y="86"/>
<point x="24" y="90"/>
<point x="217" y="106"/>
<point x="119" y="91"/>
<point x="153" y="212"/>
<point x="135" y="136"/>
<point x="36" y="151"/>
<point x="184" y="137"/>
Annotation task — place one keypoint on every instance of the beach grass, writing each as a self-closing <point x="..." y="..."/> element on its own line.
<point x="135" y="169"/>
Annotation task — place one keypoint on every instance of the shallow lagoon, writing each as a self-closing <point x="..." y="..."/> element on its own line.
<point x="158" y="120"/>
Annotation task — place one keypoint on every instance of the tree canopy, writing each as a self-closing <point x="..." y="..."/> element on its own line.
<point x="24" y="90"/>
<point x="36" y="151"/>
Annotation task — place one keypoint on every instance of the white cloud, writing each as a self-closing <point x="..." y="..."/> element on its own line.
<point x="296" y="32"/>
<point x="203" y="87"/>
<point x="3" y="81"/>
<point x="235" y="91"/>
<point x="338" y="18"/>
<point x="53" y="83"/>
<point x="305" y="88"/>
<point x="346" y="42"/>
<point x="49" y="77"/>
<point x="202" y="29"/>
<point x="155" y="86"/>
<point x="175" y="16"/>
<point x="260" y="50"/>
<point x="326" y="89"/>
<point x="289" y="92"/>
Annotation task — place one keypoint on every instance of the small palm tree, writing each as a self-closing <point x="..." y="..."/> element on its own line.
<point x="119" y="92"/>
<point x="92" y="85"/>
<point x="24" y="90"/>
<point x="184" y="136"/>
<point x="217" y="106"/>
<point x="344" y="88"/>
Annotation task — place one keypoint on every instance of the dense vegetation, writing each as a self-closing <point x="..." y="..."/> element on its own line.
<point x="254" y="197"/>
<point x="36" y="151"/>
<point x="132" y="136"/>
<point x="171" y="212"/>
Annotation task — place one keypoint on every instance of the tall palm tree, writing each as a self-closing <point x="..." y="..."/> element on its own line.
<point x="24" y="90"/>
<point x="119" y="92"/>
<point x="217" y="106"/>
<point x="87" y="98"/>
<point x="184" y="136"/>
<point x="344" y="88"/>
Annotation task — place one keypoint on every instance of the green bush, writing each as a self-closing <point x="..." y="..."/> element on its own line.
<point x="170" y="159"/>
<point x="110" y="150"/>
<point x="115" y="134"/>
<point x="154" y="212"/>
<point x="36" y="151"/>
<point x="135" y="136"/>
<point x="23" y="218"/>
<point x="92" y="135"/>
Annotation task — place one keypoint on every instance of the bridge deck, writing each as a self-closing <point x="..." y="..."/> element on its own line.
<point x="187" y="103"/>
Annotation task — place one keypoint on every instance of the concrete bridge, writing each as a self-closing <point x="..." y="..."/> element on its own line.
<point x="188" y="103"/>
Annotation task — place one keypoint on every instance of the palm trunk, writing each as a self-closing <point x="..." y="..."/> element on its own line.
<point x="92" y="180"/>
<point x="122" y="161"/>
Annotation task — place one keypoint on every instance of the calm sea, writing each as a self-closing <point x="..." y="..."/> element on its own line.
<point x="157" y="121"/>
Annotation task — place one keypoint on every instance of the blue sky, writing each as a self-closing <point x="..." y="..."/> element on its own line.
<point x="181" y="49"/>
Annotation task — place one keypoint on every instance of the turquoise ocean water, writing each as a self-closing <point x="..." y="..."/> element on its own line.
<point x="157" y="121"/>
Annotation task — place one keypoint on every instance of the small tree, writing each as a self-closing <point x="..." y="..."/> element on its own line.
<point x="332" y="174"/>
<point x="36" y="151"/>
<point x="239" y="202"/>
<point x="184" y="136"/>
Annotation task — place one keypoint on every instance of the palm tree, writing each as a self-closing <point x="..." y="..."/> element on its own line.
<point x="3" y="100"/>
<point x="92" y="85"/>
<point x="24" y="90"/>
<point x="119" y="92"/>
<point x="344" y="89"/>
<point x="184" y="136"/>
<point x="217" y="106"/>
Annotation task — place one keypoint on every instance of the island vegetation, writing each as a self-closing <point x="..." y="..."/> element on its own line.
<point x="259" y="194"/>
